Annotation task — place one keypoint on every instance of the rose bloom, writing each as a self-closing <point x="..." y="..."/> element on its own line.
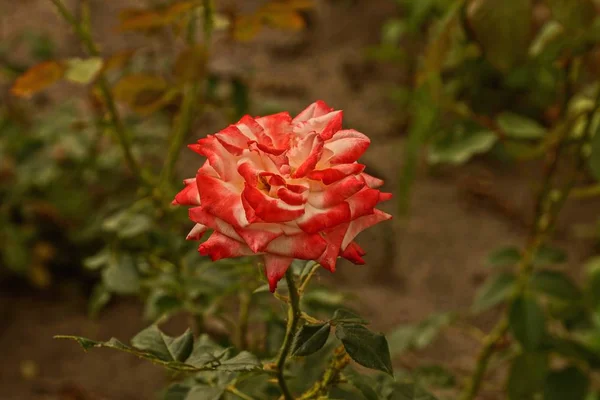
<point x="283" y="188"/>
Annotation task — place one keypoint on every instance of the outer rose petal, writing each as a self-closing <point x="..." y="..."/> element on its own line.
<point x="258" y="236"/>
<point x="221" y="199"/>
<point x="354" y="253"/>
<point x="197" y="232"/>
<point x="315" y="219"/>
<point x="316" y="109"/>
<point x="363" y="202"/>
<point x="335" y="193"/>
<point x="334" y="238"/>
<point x="269" y="209"/>
<point x="362" y="223"/>
<point x="218" y="157"/>
<point x="200" y="216"/>
<point x="249" y="127"/>
<point x="189" y="195"/>
<point x="275" y="267"/>
<point x="234" y="141"/>
<point x="336" y="172"/>
<point x="277" y="127"/>
<point x="219" y="246"/>
<point x="371" y="181"/>
<point x="325" y="125"/>
<point x="347" y="146"/>
<point x="303" y="246"/>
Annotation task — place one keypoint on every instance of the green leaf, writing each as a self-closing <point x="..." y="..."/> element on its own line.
<point x="461" y="150"/>
<point x="519" y="127"/>
<point x="176" y="391"/>
<point x="342" y="316"/>
<point x="572" y="349"/>
<point x="419" y="336"/>
<point x="121" y="276"/>
<point x="83" y="71"/>
<point x="167" y="351"/>
<point x="310" y="339"/>
<point x="555" y="284"/>
<point x="434" y="375"/>
<point x="527" y="322"/>
<point x="363" y="383"/>
<point x="527" y="375"/>
<point x="98" y="300"/>
<point x="243" y="361"/>
<point x="98" y="260"/>
<point x="167" y="348"/>
<point x="568" y="383"/>
<point x="547" y="255"/>
<point x="503" y="30"/>
<point x="494" y="291"/>
<point x="205" y="393"/>
<point x="410" y="391"/>
<point x="504" y="256"/>
<point x="367" y="348"/>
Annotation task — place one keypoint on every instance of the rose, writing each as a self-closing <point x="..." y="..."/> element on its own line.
<point x="283" y="188"/>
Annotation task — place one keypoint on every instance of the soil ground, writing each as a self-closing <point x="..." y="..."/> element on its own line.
<point x="432" y="260"/>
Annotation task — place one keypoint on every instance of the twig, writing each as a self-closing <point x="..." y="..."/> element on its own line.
<point x="331" y="376"/>
<point x="84" y="35"/>
<point x="548" y="206"/>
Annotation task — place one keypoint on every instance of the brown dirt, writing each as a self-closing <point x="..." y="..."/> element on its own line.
<point x="431" y="261"/>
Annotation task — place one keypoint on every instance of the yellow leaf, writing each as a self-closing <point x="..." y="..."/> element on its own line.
<point x="144" y="93"/>
<point x="141" y="20"/>
<point x="190" y="64"/>
<point x="38" y="78"/>
<point x="290" y="5"/>
<point x="83" y="71"/>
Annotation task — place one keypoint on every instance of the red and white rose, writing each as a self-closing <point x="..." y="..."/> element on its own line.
<point x="283" y="188"/>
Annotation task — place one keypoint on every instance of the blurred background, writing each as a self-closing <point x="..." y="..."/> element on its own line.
<point x="460" y="100"/>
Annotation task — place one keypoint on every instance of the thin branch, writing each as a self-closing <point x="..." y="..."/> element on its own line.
<point x="292" y="326"/>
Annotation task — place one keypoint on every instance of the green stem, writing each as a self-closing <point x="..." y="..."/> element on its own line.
<point x="83" y="33"/>
<point x="294" y="314"/>
<point x="548" y="206"/>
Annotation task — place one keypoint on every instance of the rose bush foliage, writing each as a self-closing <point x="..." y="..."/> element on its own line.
<point x="283" y="188"/>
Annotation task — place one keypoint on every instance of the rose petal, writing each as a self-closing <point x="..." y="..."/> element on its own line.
<point x="221" y="199"/>
<point x="189" y="195"/>
<point x="354" y="253"/>
<point x="269" y="209"/>
<point x="302" y="246"/>
<point x="258" y="236"/>
<point x="303" y="157"/>
<point x="347" y="146"/>
<point x="197" y="232"/>
<point x="218" y="157"/>
<point x="277" y="127"/>
<point x="362" y="223"/>
<point x="325" y="125"/>
<point x="233" y="140"/>
<point x="199" y="215"/>
<point x="334" y="238"/>
<point x="371" y="181"/>
<point x="363" y="202"/>
<point x="252" y="129"/>
<point x="219" y="246"/>
<point x="336" y="192"/>
<point x="275" y="268"/>
<point x="316" y="109"/>
<point x="316" y="219"/>
<point x="336" y="172"/>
